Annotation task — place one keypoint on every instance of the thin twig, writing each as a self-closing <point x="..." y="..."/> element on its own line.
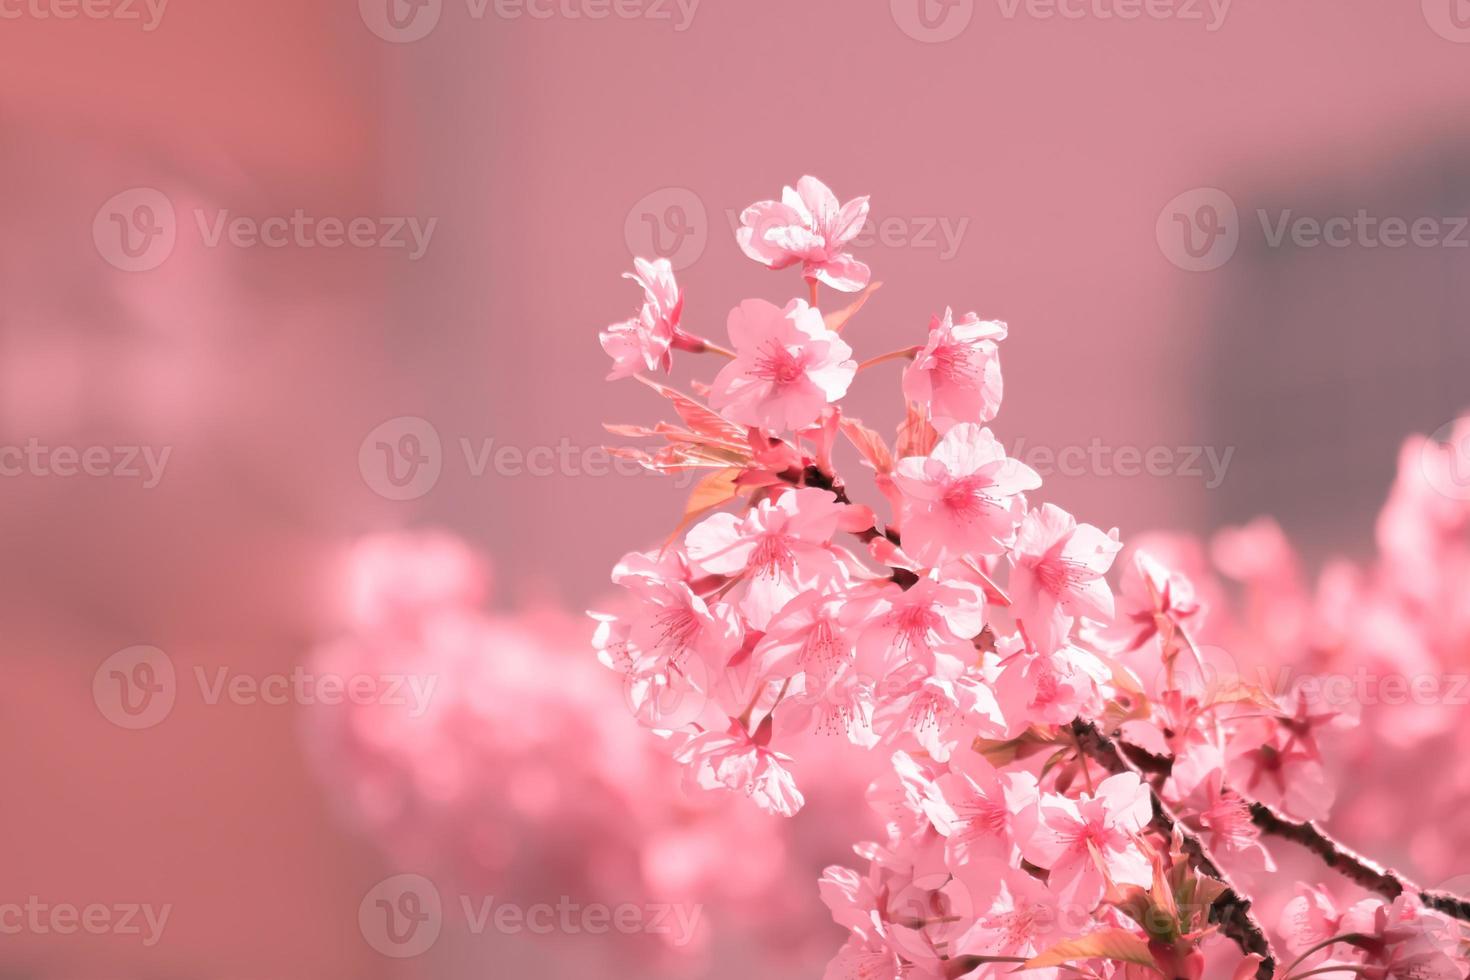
<point x="812" y="476"/>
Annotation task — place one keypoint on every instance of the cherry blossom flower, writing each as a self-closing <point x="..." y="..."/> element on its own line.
<point x="808" y="226"/>
<point x="1226" y="818"/>
<point x="1274" y="768"/>
<point x="867" y="958"/>
<point x="1309" y="918"/>
<point x="520" y="774"/>
<point x="779" y="549"/>
<point x="840" y="705"/>
<point x="975" y="810"/>
<point x="1404" y="940"/>
<point x="788" y="366"/>
<point x="672" y="622"/>
<point x="642" y="343"/>
<point x="964" y="498"/>
<point x="738" y="760"/>
<point x="1073" y="836"/>
<point x="1150" y="595"/>
<point x="931" y="623"/>
<point x="1057" y="574"/>
<point x="1053" y="687"/>
<point x="807" y="635"/>
<point x="1023" y="920"/>
<point x="956" y="376"/>
<point x="1066" y="778"/>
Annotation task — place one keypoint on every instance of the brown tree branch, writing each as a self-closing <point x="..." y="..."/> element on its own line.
<point x="812" y="476"/>
<point x="1232" y="910"/>
<point x="1356" y="867"/>
<point x="1352" y="865"/>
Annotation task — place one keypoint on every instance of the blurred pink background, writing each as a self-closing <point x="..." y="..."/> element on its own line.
<point x="1029" y="167"/>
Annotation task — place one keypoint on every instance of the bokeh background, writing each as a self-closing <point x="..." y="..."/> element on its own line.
<point x="1131" y="186"/>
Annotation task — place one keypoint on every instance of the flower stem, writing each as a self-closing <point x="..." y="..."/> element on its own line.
<point x="1344" y="937"/>
<point x="893" y="355"/>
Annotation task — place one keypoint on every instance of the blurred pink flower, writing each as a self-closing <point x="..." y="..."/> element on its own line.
<point x="519" y="773"/>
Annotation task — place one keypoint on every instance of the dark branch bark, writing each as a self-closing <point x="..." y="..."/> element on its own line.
<point x="814" y="477"/>
<point x="1341" y="858"/>
<point x="1352" y="865"/>
<point x="1232" y="910"/>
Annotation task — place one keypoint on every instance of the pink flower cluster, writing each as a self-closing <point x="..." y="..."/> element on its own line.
<point x="517" y="775"/>
<point x="1384" y="643"/>
<point x="1074" y="786"/>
